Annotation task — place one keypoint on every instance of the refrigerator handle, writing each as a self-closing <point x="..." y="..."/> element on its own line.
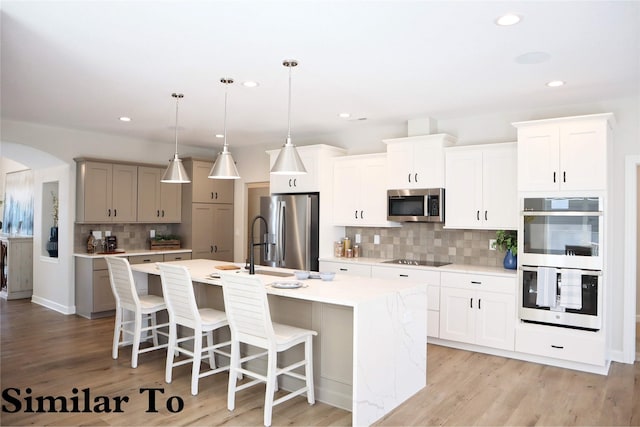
<point x="279" y="233"/>
<point x="283" y="231"/>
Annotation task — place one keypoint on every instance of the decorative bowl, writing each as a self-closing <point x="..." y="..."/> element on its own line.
<point x="327" y="275"/>
<point x="301" y="275"/>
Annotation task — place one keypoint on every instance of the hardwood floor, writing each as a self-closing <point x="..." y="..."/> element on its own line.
<point x="52" y="354"/>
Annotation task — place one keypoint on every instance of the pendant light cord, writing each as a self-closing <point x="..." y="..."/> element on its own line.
<point x="289" y="112"/>
<point x="226" y="89"/>
<point x="177" y="96"/>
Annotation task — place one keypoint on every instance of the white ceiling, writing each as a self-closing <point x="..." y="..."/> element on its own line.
<point x="83" y="64"/>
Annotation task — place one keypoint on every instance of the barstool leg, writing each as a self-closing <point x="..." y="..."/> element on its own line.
<point x="136" y="339"/>
<point x="212" y="360"/>
<point x="272" y="379"/>
<point x="197" y="357"/>
<point x="171" y="352"/>
<point x="234" y="364"/>
<point x="154" y="331"/>
<point x="308" y="369"/>
<point x="116" y="333"/>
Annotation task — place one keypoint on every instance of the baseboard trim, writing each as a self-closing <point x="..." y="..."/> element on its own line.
<point x="53" y="305"/>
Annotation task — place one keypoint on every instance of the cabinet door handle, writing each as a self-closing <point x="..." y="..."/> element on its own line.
<point x="109" y="214"/>
<point x="564" y="176"/>
<point x="409" y="177"/>
<point x="479" y="303"/>
<point x="215" y="247"/>
<point x="212" y="195"/>
<point x="404" y="275"/>
<point x="474" y="282"/>
<point x="343" y="269"/>
<point x="485" y="215"/>
<point x="415" y="178"/>
<point x="115" y="212"/>
<point x="216" y="193"/>
<point x="557" y="346"/>
<point x="211" y="250"/>
<point x="554" y="177"/>
<point x="478" y="215"/>
<point x="289" y="182"/>
<point x="361" y="214"/>
<point x="162" y="213"/>
<point x="471" y="302"/>
<point x="158" y="213"/>
<point x="295" y="182"/>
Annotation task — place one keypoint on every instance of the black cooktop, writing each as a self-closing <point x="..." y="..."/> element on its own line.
<point x="417" y="262"/>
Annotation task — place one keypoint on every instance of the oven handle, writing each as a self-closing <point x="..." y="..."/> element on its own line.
<point x="583" y="272"/>
<point x="561" y="213"/>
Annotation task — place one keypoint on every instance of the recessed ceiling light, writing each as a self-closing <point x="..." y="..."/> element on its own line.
<point x="555" y="83"/>
<point x="219" y="135"/>
<point x="125" y="119"/>
<point x="250" y="83"/>
<point x="344" y="115"/>
<point x="508" y="19"/>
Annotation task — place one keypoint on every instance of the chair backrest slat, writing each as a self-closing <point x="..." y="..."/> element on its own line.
<point x="179" y="296"/>
<point x="247" y="307"/>
<point x="122" y="284"/>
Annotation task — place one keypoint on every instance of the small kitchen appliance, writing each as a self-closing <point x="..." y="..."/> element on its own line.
<point x="112" y="243"/>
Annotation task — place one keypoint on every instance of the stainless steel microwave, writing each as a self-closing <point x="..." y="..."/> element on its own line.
<point x="416" y="205"/>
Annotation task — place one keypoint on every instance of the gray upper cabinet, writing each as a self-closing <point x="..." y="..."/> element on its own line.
<point x="157" y="202"/>
<point x="207" y="190"/>
<point x="106" y="192"/>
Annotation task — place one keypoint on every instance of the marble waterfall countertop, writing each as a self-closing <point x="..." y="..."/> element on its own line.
<point x="380" y="342"/>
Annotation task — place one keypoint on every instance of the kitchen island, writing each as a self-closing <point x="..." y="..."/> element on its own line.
<point x="369" y="355"/>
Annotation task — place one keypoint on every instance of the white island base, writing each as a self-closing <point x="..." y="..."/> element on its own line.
<point x="370" y="353"/>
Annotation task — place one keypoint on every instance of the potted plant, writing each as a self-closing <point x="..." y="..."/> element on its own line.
<point x="507" y="240"/>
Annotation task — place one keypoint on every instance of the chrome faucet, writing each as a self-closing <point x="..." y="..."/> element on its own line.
<point x="252" y="262"/>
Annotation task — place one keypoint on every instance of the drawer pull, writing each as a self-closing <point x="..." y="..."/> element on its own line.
<point x="178" y="258"/>
<point x="344" y="269"/>
<point x="146" y="260"/>
<point x="404" y="275"/>
<point x="557" y="346"/>
<point x="476" y="282"/>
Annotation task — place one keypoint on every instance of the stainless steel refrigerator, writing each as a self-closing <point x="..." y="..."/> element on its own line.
<point x="292" y="235"/>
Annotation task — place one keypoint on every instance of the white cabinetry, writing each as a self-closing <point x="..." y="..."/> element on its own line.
<point x="316" y="162"/>
<point x="350" y="268"/>
<point x="481" y="189"/>
<point x="417" y="161"/>
<point x="568" y="154"/>
<point x="359" y="191"/>
<point x="478" y="309"/>
<point x="430" y="277"/>
<point x="567" y="344"/>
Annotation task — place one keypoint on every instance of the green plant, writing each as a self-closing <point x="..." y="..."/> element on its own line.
<point x="507" y="240"/>
<point x="166" y="237"/>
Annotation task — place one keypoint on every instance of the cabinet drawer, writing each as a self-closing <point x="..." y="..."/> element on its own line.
<point x="145" y="259"/>
<point x="577" y="346"/>
<point x="176" y="257"/>
<point x="425" y="276"/>
<point x="349" y="268"/>
<point x="481" y="282"/>
<point x="99" y="264"/>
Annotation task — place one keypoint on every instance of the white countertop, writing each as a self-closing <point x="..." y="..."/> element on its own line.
<point x="133" y="252"/>
<point x="452" y="268"/>
<point x="343" y="290"/>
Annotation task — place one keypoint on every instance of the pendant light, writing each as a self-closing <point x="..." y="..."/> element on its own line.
<point x="175" y="173"/>
<point x="288" y="161"/>
<point x="224" y="167"/>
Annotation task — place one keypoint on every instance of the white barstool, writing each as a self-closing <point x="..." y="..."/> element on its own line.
<point x="247" y="307"/>
<point x="177" y="289"/>
<point x="143" y="307"/>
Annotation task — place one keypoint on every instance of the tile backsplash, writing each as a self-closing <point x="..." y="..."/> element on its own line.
<point x="430" y="242"/>
<point x="130" y="236"/>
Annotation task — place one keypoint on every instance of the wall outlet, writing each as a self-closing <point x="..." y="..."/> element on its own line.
<point x="358" y="238"/>
<point x="107" y="233"/>
<point x="376" y="239"/>
<point x="492" y="244"/>
<point x="152" y="234"/>
<point x="97" y="235"/>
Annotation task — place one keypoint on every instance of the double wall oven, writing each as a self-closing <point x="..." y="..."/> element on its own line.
<point x="561" y="261"/>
